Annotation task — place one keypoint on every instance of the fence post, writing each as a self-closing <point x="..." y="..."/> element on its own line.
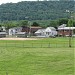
<point x="23" y="44"/>
<point x="56" y="44"/>
<point x="6" y="44"/>
<point x="49" y="45"/>
<point x="15" y="44"/>
<point x="41" y="45"/>
<point x="32" y="45"/>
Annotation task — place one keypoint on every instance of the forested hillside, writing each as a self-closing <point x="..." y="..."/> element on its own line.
<point x="38" y="10"/>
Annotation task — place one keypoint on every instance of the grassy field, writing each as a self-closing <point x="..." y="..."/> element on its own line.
<point x="18" y="60"/>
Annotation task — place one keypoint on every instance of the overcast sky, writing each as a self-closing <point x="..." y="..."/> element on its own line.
<point x="13" y="1"/>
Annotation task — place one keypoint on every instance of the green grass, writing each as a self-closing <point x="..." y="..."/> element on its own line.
<point x="36" y="61"/>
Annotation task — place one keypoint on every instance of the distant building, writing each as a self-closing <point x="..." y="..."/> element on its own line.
<point x="2" y="29"/>
<point x="2" y="34"/>
<point x="40" y="33"/>
<point x="66" y="31"/>
<point x="48" y="32"/>
<point x="13" y="31"/>
<point x="21" y="34"/>
<point x="31" y="29"/>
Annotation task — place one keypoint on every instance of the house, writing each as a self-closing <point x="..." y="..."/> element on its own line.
<point x="34" y="29"/>
<point x="21" y="34"/>
<point x="40" y="33"/>
<point x="13" y="31"/>
<point x="2" y="29"/>
<point x="2" y="34"/>
<point x="48" y="32"/>
<point x="31" y="29"/>
<point x="25" y="29"/>
<point x="66" y="31"/>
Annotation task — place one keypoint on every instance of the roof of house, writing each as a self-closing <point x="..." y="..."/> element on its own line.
<point x="40" y="30"/>
<point x="16" y="28"/>
<point x="61" y="26"/>
<point x="35" y="27"/>
<point x="52" y="28"/>
<point x="21" y="33"/>
<point x="66" y="28"/>
<point x="49" y="29"/>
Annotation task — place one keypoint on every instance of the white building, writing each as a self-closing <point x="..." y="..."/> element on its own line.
<point x="13" y="31"/>
<point x="21" y="34"/>
<point x="40" y="33"/>
<point x="2" y="29"/>
<point x="48" y="32"/>
<point x="2" y="34"/>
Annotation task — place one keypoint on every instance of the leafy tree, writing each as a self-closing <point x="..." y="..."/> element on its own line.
<point x="23" y="23"/>
<point x="63" y="21"/>
<point x="70" y="23"/>
<point x="1" y="28"/>
<point x="9" y="24"/>
<point x="73" y="23"/>
<point x="54" y="23"/>
<point x="35" y="24"/>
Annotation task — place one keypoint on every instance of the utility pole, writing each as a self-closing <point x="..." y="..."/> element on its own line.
<point x="29" y="28"/>
<point x="70" y="30"/>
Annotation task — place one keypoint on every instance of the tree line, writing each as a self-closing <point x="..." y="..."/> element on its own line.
<point x="43" y="23"/>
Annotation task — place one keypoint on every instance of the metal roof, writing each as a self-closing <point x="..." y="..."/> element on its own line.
<point x="16" y="28"/>
<point x="21" y="33"/>
<point x="40" y="30"/>
<point x="66" y="28"/>
<point x="61" y="26"/>
<point x="52" y="28"/>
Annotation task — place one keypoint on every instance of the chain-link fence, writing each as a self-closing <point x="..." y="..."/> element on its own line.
<point x="35" y="45"/>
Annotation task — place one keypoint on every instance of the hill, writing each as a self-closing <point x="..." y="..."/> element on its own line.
<point x="36" y="10"/>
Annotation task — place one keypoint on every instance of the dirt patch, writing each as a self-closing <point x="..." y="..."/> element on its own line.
<point x="18" y="38"/>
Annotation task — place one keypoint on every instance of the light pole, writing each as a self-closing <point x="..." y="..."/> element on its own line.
<point x="69" y="24"/>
